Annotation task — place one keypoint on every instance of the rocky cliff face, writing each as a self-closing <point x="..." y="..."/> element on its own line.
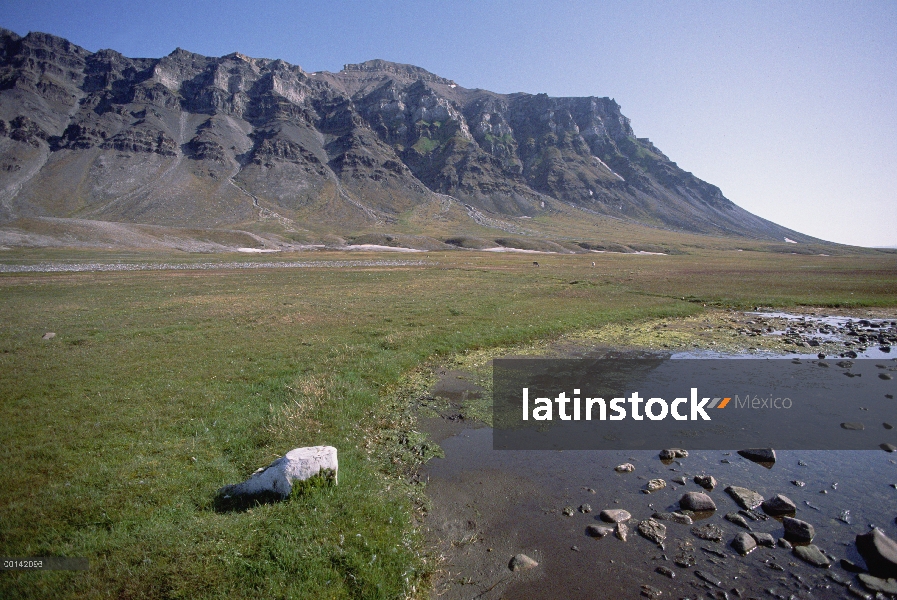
<point x="189" y="140"/>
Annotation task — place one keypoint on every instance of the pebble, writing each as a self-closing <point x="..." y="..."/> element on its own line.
<point x="709" y="578"/>
<point x="621" y="531"/>
<point x="653" y="530"/>
<point x="680" y="480"/>
<point x="697" y="501"/>
<point x="812" y="555"/>
<point x="685" y="559"/>
<point x="522" y="562"/>
<point x="744" y="543"/>
<point x="765" y="539"/>
<point x="785" y="544"/>
<point x="798" y="483"/>
<point x="844" y="516"/>
<point x="853" y="426"/>
<point x="708" y="531"/>
<point x="654" y="485"/>
<point x="885" y="376"/>
<point x="598" y="531"/>
<point x="675" y="517"/>
<point x="779" y="505"/>
<point x="813" y="506"/>
<point x="797" y="530"/>
<point x="671" y="453"/>
<point x="666" y="571"/>
<point x="48" y="336"/>
<point x="708" y="482"/>
<point x="614" y="515"/>
<point x="568" y="511"/>
<point x="888" y="447"/>
<point x="887" y="426"/>
<point x="585" y="508"/>
<point x="625" y="468"/>
<point x="736" y="518"/>
<point x="745" y="498"/>
<point x="651" y="592"/>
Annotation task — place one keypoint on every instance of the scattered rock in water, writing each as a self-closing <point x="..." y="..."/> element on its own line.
<point x="745" y="498"/>
<point x="844" y="517"/>
<point x="666" y="572"/>
<point x="851" y="567"/>
<point x="685" y="559"/>
<point x="598" y="531"/>
<point x="743" y="543"/>
<point x="880" y="553"/>
<point x="759" y="455"/>
<point x="887" y="426"/>
<point x="852" y="426"/>
<point x="783" y="543"/>
<point x="614" y="515"/>
<point x="625" y="468"/>
<point x="822" y="363"/>
<point x="888" y="447"/>
<point x="813" y="506"/>
<point x="801" y="463"/>
<point x="275" y="482"/>
<point x="585" y="508"/>
<point x="653" y="530"/>
<point x="877" y="584"/>
<point x="813" y="555"/>
<point x="671" y="453"/>
<point x="675" y="517"/>
<point x="885" y="376"/>
<point x="797" y="530"/>
<point x="522" y="562"/>
<point x="621" y="530"/>
<point x="736" y="518"/>
<point x="654" y="485"/>
<point x="845" y="364"/>
<point x="753" y="515"/>
<point x="708" y="482"/>
<point x="697" y="502"/>
<point x="709" y="578"/>
<point x="48" y="336"/>
<point x="680" y="480"/>
<point x="651" y="592"/>
<point x="779" y="505"/>
<point x="714" y="552"/>
<point x="764" y="539"/>
<point x="798" y="483"/>
<point x="568" y="511"/>
<point x="709" y="532"/>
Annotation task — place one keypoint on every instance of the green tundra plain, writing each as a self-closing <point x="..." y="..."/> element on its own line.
<point x="162" y="386"/>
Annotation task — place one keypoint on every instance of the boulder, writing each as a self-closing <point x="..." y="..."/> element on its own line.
<point x="759" y="455"/>
<point x="880" y="553"/>
<point x="813" y="555"/>
<point x="779" y="505"/>
<point x="744" y="543"/>
<point x="797" y="530"/>
<point x="747" y="499"/>
<point x="276" y="480"/>
<point x="671" y="453"/>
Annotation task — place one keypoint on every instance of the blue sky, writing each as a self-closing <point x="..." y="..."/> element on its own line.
<point x="790" y="108"/>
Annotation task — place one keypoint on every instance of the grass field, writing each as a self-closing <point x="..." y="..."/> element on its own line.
<point x="162" y="386"/>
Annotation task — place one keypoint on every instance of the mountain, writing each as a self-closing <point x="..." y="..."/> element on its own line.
<point x="379" y="148"/>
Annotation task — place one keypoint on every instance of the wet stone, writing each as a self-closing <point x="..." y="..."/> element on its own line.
<point x="851" y="567"/>
<point x="666" y="572"/>
<point x="753" y="515"/>
<point x="651" y="592"/>
<point x="653" y="530"/>
<point x="675" y="517"/>
<point x="877" y="584"/>
<point x="709" y="578"/>
<point x="888" y="447"/>
<point x="568" y="511"/>
<point x="797" y="530"/>
<point x="813" y="555"/>
<point x="680" y="480"/>
<point x="671" y="453"/>
<point x="783" y="543"/>
<point x="684" y="559"/>
<point x="743" y="543"/>
<point x="760" y="455"/>
<point x="597" y="531"/>
<point x="853" y="426"/>
<point x="879" y="551"/>
<point x="885" y="376"/>
<point x="844" y="517"/>
<point x="697" y="502"/>
<point x="585" y="508"/>
<point x="614" y="515"/>
<point x="764" y="539"/>
<point x="625" y="468"/>
<point x="708" y="531"/>
<point x="745" y="498"/>
<point x="621" y="531"/>
<point x="798" y="483"/>
<point x="734" y="517"/>
<point x="708" y="482"/>
<point x="779" y="505"/>
<point x="655" y="484"/>
<point x="522" y="562"/>
<point x="887" y="426"/>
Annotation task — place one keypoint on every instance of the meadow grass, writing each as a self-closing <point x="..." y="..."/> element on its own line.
<point x="160" y="387"/>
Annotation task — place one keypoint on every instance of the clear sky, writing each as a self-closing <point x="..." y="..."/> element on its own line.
<point x="789" y="107"/>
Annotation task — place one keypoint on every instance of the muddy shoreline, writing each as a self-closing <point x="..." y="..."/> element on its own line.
<point x="487" y="506"/>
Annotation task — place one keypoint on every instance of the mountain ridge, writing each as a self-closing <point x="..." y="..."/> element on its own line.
<point x="191" y="141"/>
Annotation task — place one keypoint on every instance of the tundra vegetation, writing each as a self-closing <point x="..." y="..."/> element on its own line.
<point x="161" y="386"/>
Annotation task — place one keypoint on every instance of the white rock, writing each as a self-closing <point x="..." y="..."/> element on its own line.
<point x="298" y="464"/>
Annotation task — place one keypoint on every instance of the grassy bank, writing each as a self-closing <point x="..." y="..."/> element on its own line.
<point x="162" y="386"/>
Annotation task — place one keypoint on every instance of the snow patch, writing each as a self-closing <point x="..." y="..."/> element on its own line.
<point x="790" y="241"/>
<point x="381" y="248"/>
<point x="257" y="250"/>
